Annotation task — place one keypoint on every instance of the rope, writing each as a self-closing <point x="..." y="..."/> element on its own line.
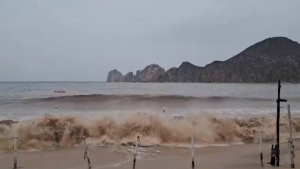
<point x="283" y="143"/>
<point x="153" y="144"/>
<point x="208" y="142"/>
<point x="203" y="140"/>
<point x="55" y="148"/>
<point x="6" y="139"/>
<point x="6" y="152"/>
<point x="21" y="140"/>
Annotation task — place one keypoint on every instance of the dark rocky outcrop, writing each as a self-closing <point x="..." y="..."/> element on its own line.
<point x="188" y="72"/>
<point x="264" y="62"/>
<point x="152" y="73"/>
<point x="115" y="76"/>
<point x="129" y="77"/>
<point x="171" y="75"/>
<point x="136" y="75"/>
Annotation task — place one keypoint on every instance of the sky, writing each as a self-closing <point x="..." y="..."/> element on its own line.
<point x="76" y="40"/>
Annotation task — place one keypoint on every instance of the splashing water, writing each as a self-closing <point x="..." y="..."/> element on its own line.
<point x="57" y="131"/>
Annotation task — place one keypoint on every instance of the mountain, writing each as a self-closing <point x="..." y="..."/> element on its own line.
<point x="186" y="72"/>
<point x="264" y="62"/>
<point x="272" y="59"/>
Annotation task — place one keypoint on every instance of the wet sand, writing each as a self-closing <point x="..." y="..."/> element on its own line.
<point x="218" y="157"/>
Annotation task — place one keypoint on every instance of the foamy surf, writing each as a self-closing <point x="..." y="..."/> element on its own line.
<point x="55" y="132"/>
<point x="161" y="135"/>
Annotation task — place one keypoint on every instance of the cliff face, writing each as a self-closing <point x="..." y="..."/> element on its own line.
<point x="115" y="76"/>
<point x="264" y="62"/>
<point x="152" y="73"/>
<point x="129" y="77"/>
<point x="171" y="75"/>
<point x="186" y="72"/>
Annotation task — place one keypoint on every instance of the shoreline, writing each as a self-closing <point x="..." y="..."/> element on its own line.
<point x="231" y="157"/>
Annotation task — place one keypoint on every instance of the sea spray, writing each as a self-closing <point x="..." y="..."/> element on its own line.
<point x="63" y="131"/>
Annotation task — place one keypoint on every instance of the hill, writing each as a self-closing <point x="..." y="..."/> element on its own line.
<point x="264" y="62"/>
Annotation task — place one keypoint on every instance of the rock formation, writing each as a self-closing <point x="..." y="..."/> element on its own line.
<point x="264" y="62"/>
<point x="115" y="76"/>
<point x="152" y="73"/>
<point x="188" y="72"/>
<point x="171" y="75"/>
<point x="129" y="77"/>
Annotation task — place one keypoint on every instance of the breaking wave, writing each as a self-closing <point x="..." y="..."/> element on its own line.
<point x="102" y="97"/>
<point x="56" y="131"/>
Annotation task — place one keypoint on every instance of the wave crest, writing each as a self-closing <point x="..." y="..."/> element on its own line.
<point x="102" y="97"/>
<point x="53" y="131"/>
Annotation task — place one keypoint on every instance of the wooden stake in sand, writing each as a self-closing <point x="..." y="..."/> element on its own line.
<point x="291" y="144"/>
<point x="260" y="149"/>
<point x="136" y="150"/>
<point x="15" y="151"/>
<point x="192" y="151"/>
<point x="86" y="154"/>
<point x="277" y="124"/>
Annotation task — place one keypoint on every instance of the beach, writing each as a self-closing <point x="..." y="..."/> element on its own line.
<point x="214" y="157"/>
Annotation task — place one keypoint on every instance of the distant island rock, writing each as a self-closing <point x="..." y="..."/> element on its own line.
<point x="129" y="77"/>
<point x="115" y="76"/>
<point x="152" y="73"/>
<point x="264" y="62"/>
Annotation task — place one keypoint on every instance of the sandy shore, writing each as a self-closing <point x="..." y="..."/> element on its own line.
<point x="215" y="157"/>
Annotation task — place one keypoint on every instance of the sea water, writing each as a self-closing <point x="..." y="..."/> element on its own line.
<point x="24" y="100"/>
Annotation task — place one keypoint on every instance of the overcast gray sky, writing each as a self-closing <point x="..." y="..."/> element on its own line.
<point x="80" y="40"/>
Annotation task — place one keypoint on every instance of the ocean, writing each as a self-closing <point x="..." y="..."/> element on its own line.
<point x="163" y="113"/>
<point x="27" y="100"/>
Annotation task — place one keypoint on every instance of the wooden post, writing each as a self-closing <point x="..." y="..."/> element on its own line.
<point x="86" y="154"/>
<point x="15" y="152"/>
<point x="260" y="148"/>
<point x="192" y="151"/>
<point x="136" y="151"/>
<point x="278" y="124"/>
<point x="291" y="144"/>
